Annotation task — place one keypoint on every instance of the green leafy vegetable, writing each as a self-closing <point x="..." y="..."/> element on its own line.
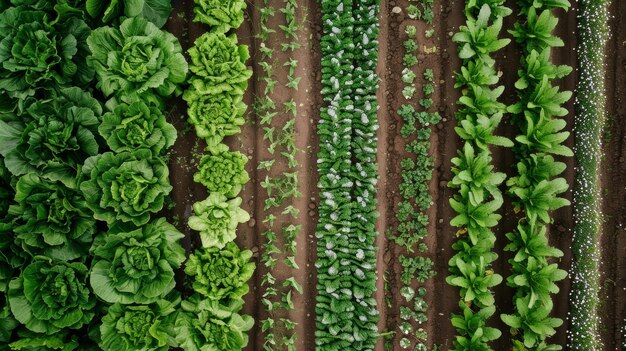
<point x="136" y="265"/>
<point x="125" y="187"/>
<point x="155" y="11"/>
<point x="54" y="135"/>
<point x="208" y="325"/>
<point x="40" y="47"/>
<point x="221" y="274"/>
<point x="51" y="219"/>
<point x="222" y="172"/>
<point x="215" y="116"/>
<point x="140" y="328"/>
<point x="135" y="126"/>
<point x="219" y="64"/>
<point x="216" y="218"/>
<point x="221" y="15"/>
<point x="50" y="296"/>
<point x="136" y="59"/>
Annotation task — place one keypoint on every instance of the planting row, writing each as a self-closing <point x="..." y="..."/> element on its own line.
<point x="346" y="313"/>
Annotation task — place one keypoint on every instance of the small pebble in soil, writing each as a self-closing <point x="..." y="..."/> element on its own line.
<point x="252" y="223"/>
<point x="396" y="10"/>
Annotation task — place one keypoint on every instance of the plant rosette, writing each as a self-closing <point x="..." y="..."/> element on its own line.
<point x="217" y="218"/>
<point x="215" y="116"/>
<point x="155" y="11"/>
<point x="205" y="325"/>
<point x="136" y="265"/>
<point x="51" y="219"/>
<point x="220" y="274"/>
<point x="125" y="187"/>
<point x="53" y="136"/>
<point x="222" y="171"/>
<point x="50" y="296"/>
<point x="221" y="15"/>
<point x="136" y="59"/>
<point x="129" y="127"/>
<point x="140" y="327"/>
<point x="219" y="64"/>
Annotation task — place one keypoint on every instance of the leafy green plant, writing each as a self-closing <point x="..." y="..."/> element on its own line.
<point x="51" y="219"/>
<point x="479" y="39"/>
<point x="222" y="172"/>
<point x="49" y="296"/>
<point x="42" y="47"/>
<point x="53" y="136"/>
<point x="136" y="265"/>
<point x="129" y="127"/>
<point x="474" y="332"/>
<point x="220" y="274"/>
<point x="125" y="187"/>
<point x="137" y="59"/>
<point x="140" y="327"/>
<point x="209" y="325"/>
<point x="534" y="323"/>
<point x="155" y="11"/>
<point x="219" y="64"/>
<point x="217" y="218"/>
<point x="220" y="15"/>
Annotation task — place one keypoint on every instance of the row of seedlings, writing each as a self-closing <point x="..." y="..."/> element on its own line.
<point x="411" y="214"/>
<point x="218" y="270"/>
<point x="478" y="198"/>
<point x="536" y="187"/>
<point x="346" y="314"/>
<point x="593" y="34"/>
<point x="54" y="133"/>
<point x="281" y="185"/>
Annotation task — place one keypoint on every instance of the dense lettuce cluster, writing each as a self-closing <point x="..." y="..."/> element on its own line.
<point x="155" y="11"/>
<point x="136" y="59"/>
<point x="223" y="172"/>
<point x="136" y="265"/>
<point x="126" y="187"/>
<point x="216" y="219"/>
<point x="221" y="15"/>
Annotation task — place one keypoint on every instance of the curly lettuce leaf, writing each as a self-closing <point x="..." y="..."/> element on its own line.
<point x="136" y="59"/>
<point x="126" y="187"/>
<point x="221" y="15"/>
<point x="136" y="265"/>
<point x="222" y="172"/>
<point x="217" y="218"/>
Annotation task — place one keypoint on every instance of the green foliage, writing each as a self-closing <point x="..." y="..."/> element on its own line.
<point x="155" y="11"/>
<point x="474" y="333"/>
<point x="136" y="265"/>
<point x="53" y="137"/>
<point x="140" y="327"/>
<point x="42" y="46"/>
<point x="49" y="296"/>
<point x="125" y="187"/>
<point x="219" y="64"/>
<point x="220" y="274"/>
<point x="51" y="219"/>
<point x="136" y="60"/>
<point x="223" y="172"/>
<point x="220" y="15"/>
<point x="478" y="39"/>
<point x="534" y="324"/>
<point x="217" y="218"/>
<point x="209" y="325"/>
<point x="129" y="127"/>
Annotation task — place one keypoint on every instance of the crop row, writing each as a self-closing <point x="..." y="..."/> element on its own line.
<point x="346" y="314"/>
<point x="590" y="117"/>
<point x="281" y="188"/>
<point x="219" y="270"/>
<point x="536" y="187"/>
<point x="83" y="261"/>
<point x="478" y="197"/>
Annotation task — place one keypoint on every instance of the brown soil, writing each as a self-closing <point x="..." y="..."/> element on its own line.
<point x="441" y="298"/>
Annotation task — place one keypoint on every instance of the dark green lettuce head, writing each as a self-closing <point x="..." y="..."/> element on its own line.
<point x="126" y="187"/>
<point x="51" y="295"/>
<point x="221" y="15"/>
<point x="220" y="274"/>
<point x="136" y="59"/>
<point x="136" y="265"/>
<point x="134" y="126"/>
<point x="208" y="325"/>
<point x="140" y="327"/>
<point x="219" y="64"/>
<point x="40" y="46"/>
<point x="53" y="136"/>
<point x="223" y="172"/>
<point x="7" y="321"/>
<point x="51" y="219"/>
<point x="155" y="11"/>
